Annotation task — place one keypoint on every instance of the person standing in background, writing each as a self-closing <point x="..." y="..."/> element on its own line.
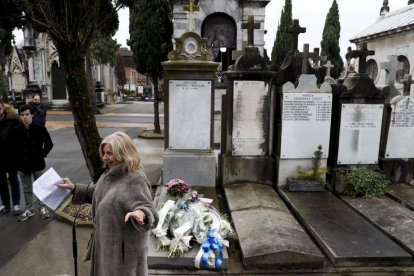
<point x="31" y="143"/>
<point x="39" y="110"/>
<point x="8" y="120"/>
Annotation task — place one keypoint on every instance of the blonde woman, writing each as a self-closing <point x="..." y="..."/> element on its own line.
<point x="123" y="212"/>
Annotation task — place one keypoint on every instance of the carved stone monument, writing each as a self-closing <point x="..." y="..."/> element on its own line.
<point x="247" y="150"/>
<point x="189" y="75"/>
<point x="358" y="109"/>
<point x="306" y="123"/>
<point x="397" y="152"/>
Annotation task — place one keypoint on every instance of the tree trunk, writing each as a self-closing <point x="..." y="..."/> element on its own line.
<point x="91" y="88"/>
<point x="157" y="128"/>
<point x="84" y="119"/>
<point x="3" y="90"/>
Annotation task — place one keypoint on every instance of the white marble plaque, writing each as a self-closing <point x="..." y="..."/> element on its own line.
<point x="190" y="115"/>
<point x="360" y="133"/>
<point x="248" y="122"/>
<point x="401" y="132"/>
<point x="306" y="123"/>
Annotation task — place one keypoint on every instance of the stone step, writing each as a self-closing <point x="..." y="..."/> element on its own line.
<point x="394" y="219"/>
<point x="403" y="194"/>
<point x="269" y="236"/>
<point x="346" y="238"/>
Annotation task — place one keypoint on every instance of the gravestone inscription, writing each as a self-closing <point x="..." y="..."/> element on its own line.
<point x="401" y="130"/>
<point x="190" y="106"/>
<point x="360" y="133"/>
<point x="306" y="120"/>
<point x="248" y="108"/>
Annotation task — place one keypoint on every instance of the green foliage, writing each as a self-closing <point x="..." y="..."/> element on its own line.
<point x="150" y="31"/>
<point x="126" y="91"/>
<point x="104" y="49"/>
<point x="283" y="41"/>
<point x="367" y="182"/>
<point x="330" y="40"/>
<point x="316" y="173"/>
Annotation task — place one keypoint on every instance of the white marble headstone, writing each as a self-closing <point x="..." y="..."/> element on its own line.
<point x="306" y="118"/>
<point x="306" y="121"/>
<point x="401" y="132"/>
<point x="190" y="114"/>
<point x="360" y="133"/>
<point x="248" y="122"/>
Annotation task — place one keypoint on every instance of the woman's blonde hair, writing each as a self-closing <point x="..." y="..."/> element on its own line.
<point x="123" y="150"/>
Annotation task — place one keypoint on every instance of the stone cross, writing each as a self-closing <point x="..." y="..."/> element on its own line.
<point x="328" y="66"/>
<point x="295" y="30"/>
<point x="250" y="26"/>
<point x="315" y="57"/>
<point x="191" y="8"/>
<point x="305" y="56"/>
<point x="390" y="67"/>
<point x="362" y="55"/>
<point x="407" y="81"/>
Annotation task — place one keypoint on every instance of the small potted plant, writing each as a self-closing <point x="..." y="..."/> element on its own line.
<point x="312" y="179"/>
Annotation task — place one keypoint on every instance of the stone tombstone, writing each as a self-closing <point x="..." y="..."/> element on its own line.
<point x="190" y="127"/>
<point x="305" y="124"/>
<point x="357" y="125"/>
<point x="360" y="133"/>
<point x="189" y="112"/>
<point x="401" y="128"/>
<point x="306" y="118"/>
<point x="247" y="133"/>
<point x="248" y="107"/>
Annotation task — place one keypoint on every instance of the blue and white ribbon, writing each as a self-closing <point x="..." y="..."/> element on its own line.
<point x="211" y="248"/>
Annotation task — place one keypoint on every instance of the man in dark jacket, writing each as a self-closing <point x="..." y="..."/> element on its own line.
<point x="32" y="144"/>
<point x="39" y="110"/>
<point x="8" y="120"/>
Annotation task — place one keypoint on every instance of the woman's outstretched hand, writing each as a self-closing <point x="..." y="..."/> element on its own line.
<point x="67" y="184"/>
<point x="138" y="215"/>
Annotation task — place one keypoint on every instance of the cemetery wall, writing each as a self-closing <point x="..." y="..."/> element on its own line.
<point x="397" y="44"/>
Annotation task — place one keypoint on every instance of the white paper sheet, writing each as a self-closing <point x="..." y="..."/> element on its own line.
<point x="46" y="190"/>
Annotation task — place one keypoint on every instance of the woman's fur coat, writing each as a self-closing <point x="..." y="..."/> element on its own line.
<point x="119" y="247"/>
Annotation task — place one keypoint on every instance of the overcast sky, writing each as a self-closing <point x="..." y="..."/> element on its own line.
<point x="354" y="16"/>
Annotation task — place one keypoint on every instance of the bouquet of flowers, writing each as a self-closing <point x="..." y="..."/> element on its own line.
<point x="177" y="188"/>
<point x="188" y="218"/>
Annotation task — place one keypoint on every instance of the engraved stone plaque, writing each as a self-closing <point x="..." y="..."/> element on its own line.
<point x="190" y="115"/>
<point x="360" y="133"/>
<point x="306" y="122"/>
<point x="248" y="122"/>
<point x="401" y="131"/>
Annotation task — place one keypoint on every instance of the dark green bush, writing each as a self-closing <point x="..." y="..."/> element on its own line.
<point x="365" y="182"/>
